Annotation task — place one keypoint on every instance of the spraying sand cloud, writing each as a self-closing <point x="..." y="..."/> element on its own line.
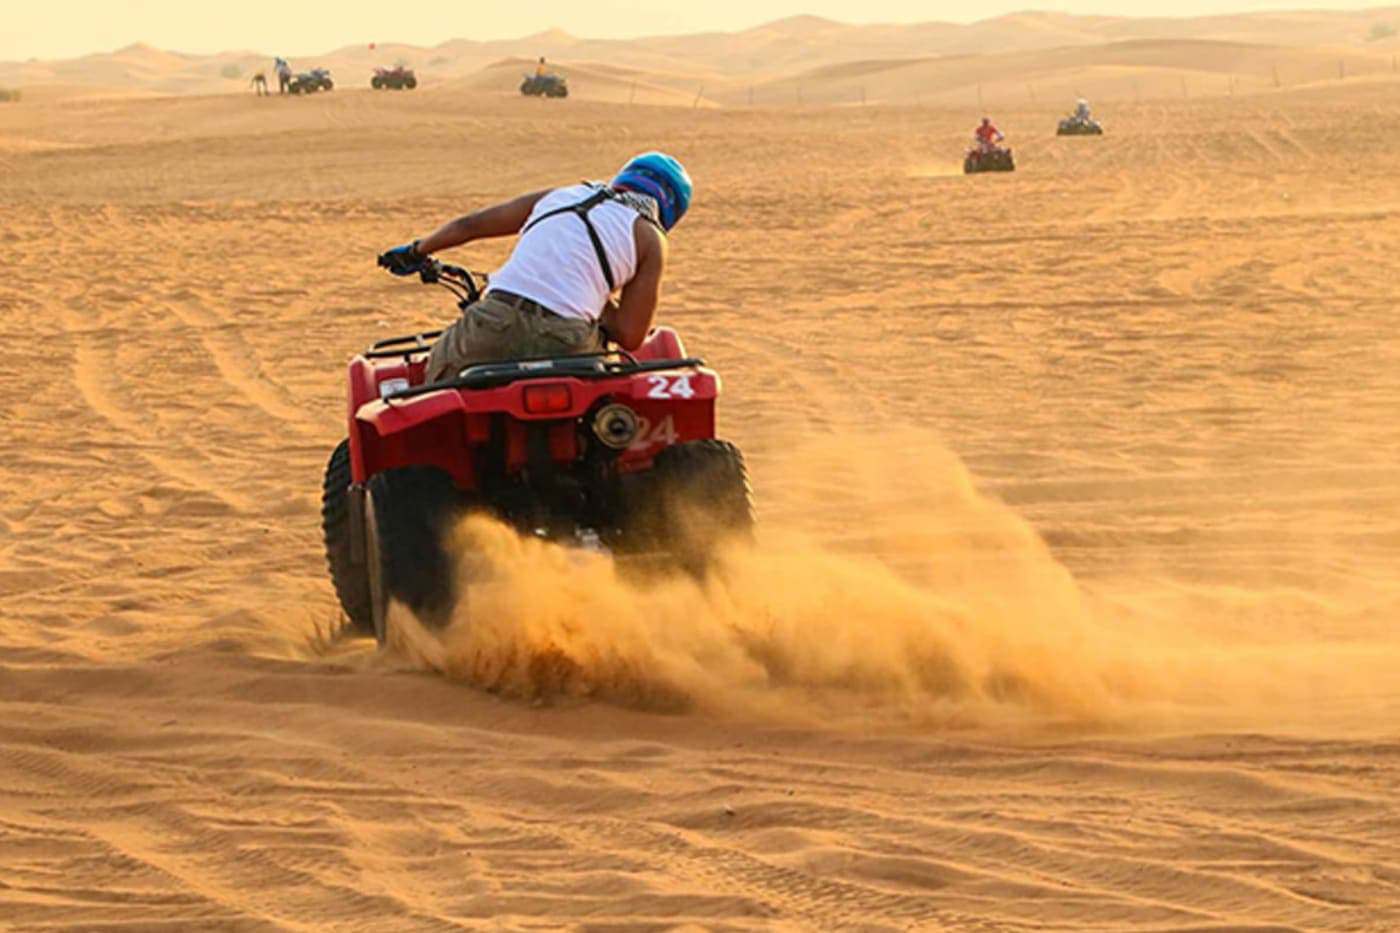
<point x="950" y="609"/>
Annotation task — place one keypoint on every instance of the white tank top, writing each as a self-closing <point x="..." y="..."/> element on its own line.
<point x="555" y="263"/>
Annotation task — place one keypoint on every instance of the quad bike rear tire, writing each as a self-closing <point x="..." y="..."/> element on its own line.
<point x="410" y="83"/>
<point x="377" y="83"/>
<point x="408" y="513"/>
<point x="349" y="576"/>
<point x="698" y="498"/>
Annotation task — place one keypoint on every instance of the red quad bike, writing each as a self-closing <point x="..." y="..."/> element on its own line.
<point x="990" y="159"/>
<point x="611" y="450"/>
<point x="397" y="78"/>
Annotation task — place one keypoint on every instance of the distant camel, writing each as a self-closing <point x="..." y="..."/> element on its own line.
<point x="259" y="82"/>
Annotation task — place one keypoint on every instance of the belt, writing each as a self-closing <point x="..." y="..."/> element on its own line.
<point x="519" y="302"/>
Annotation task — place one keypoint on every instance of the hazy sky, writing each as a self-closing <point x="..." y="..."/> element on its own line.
<point x="65" y="28"/>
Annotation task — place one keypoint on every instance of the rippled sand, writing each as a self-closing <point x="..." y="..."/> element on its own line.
<point x="1076" y="606"/>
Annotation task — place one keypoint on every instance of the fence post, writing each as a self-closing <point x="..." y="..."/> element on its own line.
<point x="698" y="94"/>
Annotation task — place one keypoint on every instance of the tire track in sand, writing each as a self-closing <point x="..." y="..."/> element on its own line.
<point x="237" y="366"/>
<point x="95" y="375"/>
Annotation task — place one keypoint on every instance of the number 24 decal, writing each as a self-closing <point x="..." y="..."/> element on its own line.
<point x="665" y="387"/>
<point x="649" y="434"/>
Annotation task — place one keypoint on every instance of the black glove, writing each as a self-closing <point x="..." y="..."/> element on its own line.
<point x="404" y="260"/>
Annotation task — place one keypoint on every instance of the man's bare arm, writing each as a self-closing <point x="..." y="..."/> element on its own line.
<point x="501" y="220"/>
<point x="629" y="321"/>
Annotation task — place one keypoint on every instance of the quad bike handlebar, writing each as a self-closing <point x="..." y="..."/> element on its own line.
<point x="464" y="283"/>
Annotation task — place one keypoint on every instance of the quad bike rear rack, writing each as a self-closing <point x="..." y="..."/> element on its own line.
<point x="608" y="364"/>
<point x="395" y="346"/>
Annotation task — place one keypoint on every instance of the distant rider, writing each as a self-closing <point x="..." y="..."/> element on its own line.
<point x="578" y="247"/>
<point x="540" y="68"/>
<point x="988" y="136"/>
<point x="284" y="74"/>
<point x="1081" y="111"/>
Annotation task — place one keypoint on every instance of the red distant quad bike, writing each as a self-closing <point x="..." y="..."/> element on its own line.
<point x="990" y="159"/>
<point x="609" y="450"/>
<point x="393" y="79"/>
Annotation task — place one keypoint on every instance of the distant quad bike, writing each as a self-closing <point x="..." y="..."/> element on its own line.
<point x="394" y="79"/>
<point x="609" y="450"/>
<point x="309" y="82"/>
<point x="993" y="159"/>
<point x="545" y="86"/>
<point x="1079" y="126"/>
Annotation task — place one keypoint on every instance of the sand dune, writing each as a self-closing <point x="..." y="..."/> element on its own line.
<point x="1121" y="71"/>
<point x="727" y="65"/>
<point x="1075" y="603"/>
<point x="593" y="81"/>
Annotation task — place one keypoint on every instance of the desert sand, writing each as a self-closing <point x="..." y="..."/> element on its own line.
<point x="1074" y="606"/>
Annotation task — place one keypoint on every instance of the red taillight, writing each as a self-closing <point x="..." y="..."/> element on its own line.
<point x="548" y="399"/>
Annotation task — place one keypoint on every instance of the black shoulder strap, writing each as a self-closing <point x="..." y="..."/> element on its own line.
<point x="581" y="209"/>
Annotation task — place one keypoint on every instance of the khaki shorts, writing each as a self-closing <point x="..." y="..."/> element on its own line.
<point x="494" y="329"/>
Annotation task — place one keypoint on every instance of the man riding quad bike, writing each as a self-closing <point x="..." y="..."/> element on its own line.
<point x="986" y="154"/>
<point x="552" y="404"/>
<point x="1080" y="123"/>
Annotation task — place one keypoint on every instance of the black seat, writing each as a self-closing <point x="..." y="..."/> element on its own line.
<point x="491" y="375"/>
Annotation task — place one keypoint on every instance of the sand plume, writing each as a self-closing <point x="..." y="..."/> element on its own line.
<point x="950" y="611"/>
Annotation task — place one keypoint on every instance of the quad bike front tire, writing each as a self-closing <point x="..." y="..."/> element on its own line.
<point x="349" y="575"/>
<point x="698" y="499"/>
<point x="377" y="83"/>
<point x="328" y="85"/>
<point x="408" y="513"/>
<point x="410" y="83"/>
